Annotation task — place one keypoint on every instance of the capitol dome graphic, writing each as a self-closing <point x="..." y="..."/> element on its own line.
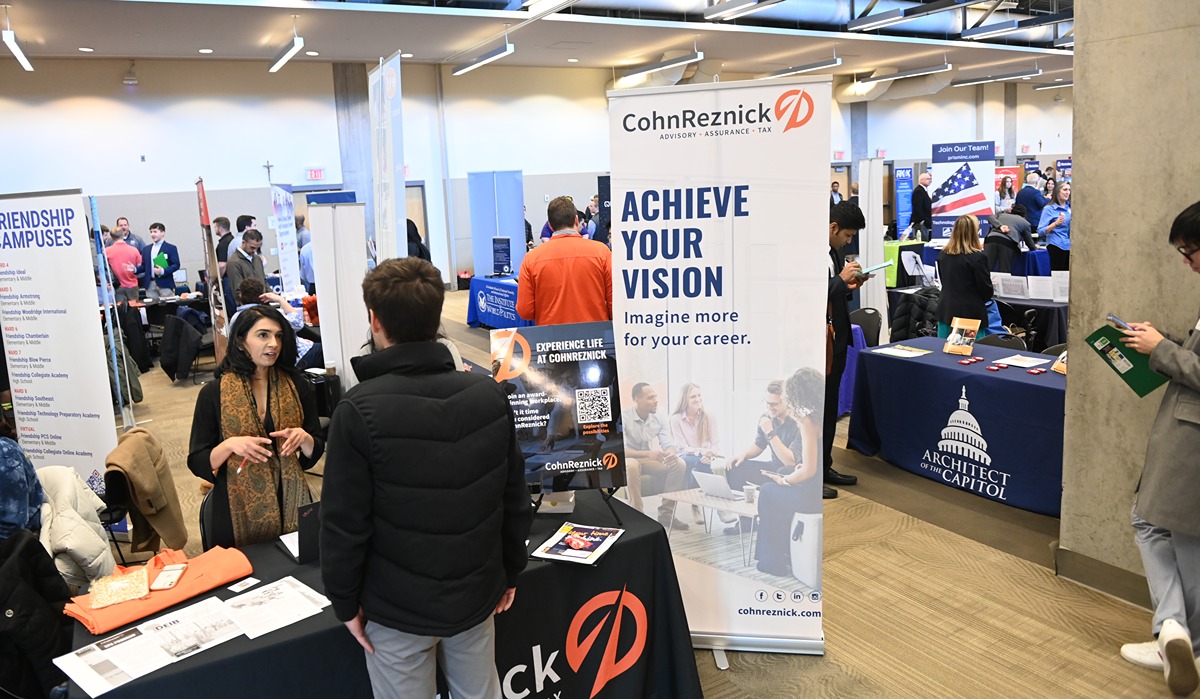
<point x="962" y="435"/>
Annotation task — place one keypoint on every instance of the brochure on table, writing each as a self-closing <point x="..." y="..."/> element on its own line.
<point x="712" y="296"/>
<point x="152" y="645"/>
<point x="578" y="543"/>
<point x="53" y="344"/>
<point x="961" y="339"/>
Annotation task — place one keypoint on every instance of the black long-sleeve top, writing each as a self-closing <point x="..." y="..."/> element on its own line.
<point x="206" y="435"/>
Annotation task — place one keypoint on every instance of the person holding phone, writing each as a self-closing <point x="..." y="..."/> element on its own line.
<point x="1166" y="521"/>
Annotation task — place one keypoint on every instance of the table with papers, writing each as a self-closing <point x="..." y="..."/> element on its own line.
<point x="317" y="657"/>
<point x="998" y="434"/>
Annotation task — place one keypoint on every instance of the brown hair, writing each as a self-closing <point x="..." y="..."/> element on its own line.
<point x="250" y="289"/>
<point x="775" y="387"/>
<point x="406" y="295"/>
<point x="561" y="213"/>
<point x="964" y="238"/>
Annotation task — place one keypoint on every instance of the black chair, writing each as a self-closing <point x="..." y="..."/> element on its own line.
<point x="1002" y="340"/>
<point x="206" y="518"/>
<point x="1022" y="324"/>
<point x="206" y="345"/>
<point x="870" y="321"/>
<point x="1056" y="349"/>
<point x="116" y="505"/>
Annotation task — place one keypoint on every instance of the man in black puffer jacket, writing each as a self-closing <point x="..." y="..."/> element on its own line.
<point x="425" y="509"/>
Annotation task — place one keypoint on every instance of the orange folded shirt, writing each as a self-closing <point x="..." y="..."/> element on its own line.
<point x="205" y="572"/>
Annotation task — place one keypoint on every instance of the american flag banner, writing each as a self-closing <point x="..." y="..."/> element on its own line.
<point x="960" y="194"/>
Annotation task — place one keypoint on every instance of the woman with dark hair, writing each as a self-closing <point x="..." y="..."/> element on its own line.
<point x="416" y="248"/>
<point x="966" y="279"/>
<point x="795" y="488"/>
<point x="1055" y="226"/>
<point x="1006" y="196"/>
<point x="254" y="433"/>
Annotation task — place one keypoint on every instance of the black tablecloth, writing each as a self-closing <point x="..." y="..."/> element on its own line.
<point x="998" y="434"/>
<point x="317" y="657"/>
<point x="1050" y="321"/>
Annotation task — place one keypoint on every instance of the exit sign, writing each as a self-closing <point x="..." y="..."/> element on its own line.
<point x="315" y="173"/>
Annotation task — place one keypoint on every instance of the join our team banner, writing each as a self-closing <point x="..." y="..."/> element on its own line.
<point x="57" y="363"/>
<point x="963" y="177"/>
<point x="720" y="245"/>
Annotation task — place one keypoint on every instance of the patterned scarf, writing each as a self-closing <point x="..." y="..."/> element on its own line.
<point x="263" y="498"/>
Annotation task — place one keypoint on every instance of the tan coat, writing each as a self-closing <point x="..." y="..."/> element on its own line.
<point x="155" y="510"/>
<point x="1167" y="492"/>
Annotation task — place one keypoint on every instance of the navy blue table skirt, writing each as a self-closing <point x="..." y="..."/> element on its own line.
<point x="997" y="434"/>
<point x="493" y="303"/>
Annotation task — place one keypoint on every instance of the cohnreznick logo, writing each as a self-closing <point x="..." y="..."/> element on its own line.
<point x="580" y="646"/>
<point x="797" y="105"/>
<point x="506" y="343"/>
<point x="610" y="460"/>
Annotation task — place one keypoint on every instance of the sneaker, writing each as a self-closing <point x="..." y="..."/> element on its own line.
<point x="726" y="517"/>
<point x="1143" y="655"/>
<point x="1179" y="665"/>
<point x="667" y="523"/>
<point x="697" y="514"/>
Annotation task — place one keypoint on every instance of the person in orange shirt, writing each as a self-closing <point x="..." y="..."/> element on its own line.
<point x="124" y="260"/>
<point x="567" y="279"/>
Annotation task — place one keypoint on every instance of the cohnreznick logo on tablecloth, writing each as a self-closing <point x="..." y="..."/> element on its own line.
<point x="579" y="645"/>
<point x="961" y="458"/>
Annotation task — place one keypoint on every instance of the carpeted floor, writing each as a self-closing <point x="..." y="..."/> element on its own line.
<point x="928" y="591"/>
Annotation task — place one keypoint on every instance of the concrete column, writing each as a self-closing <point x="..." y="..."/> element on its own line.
<point x="1136" y="165"/>
<point x="1010" y="126"/>
<point x="858" y="138"/>
<point x="352" y="103"/>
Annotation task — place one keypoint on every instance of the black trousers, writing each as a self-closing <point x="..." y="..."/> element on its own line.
<point x="1060" y="260"/>
<point x="999" y="252"/>
<point x="833" y="384"/>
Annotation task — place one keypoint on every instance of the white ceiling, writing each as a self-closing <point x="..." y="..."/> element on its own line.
<point x="359" y="32"/>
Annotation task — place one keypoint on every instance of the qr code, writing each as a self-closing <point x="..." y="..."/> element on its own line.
<point x="592" y="405"/>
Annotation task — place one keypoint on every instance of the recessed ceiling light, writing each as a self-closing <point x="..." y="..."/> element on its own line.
<point x="206" y="50"/>
<point x="311" y="53"/>
<point x="1058" y="80"/>
<point x="572" y="60"/>
<point x="85" y="49"/>
<point x="1027" y="78"/>
<point x="406" y="55"/>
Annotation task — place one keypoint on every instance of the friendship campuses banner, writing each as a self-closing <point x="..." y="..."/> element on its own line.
<point x="52" y="333"/>
<point x="720" y="256"/>
<point x="963" y="174"/>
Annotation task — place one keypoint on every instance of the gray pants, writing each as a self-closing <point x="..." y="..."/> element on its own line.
<point x="126" y="293"/>
<point x="403" y="666"/>
<point x="1172" y="563"/>
<point x="154" y="291"/>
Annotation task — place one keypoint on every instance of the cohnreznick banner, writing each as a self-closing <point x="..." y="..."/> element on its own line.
<point x="720" y="238"/>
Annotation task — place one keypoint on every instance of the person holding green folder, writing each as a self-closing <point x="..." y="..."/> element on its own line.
<point x="1166" y="519"/>
<point x="160" y="261"/>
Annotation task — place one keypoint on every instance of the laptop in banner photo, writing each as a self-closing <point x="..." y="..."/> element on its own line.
<point x="561" y="381"/>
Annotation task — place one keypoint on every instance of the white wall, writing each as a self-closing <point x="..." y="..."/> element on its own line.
<point x="907" y="129"/>
<point x="1040" y="118"/>
<point x="72" y="123"/>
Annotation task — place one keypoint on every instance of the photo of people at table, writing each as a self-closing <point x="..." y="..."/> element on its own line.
<point x="768" y="461"/>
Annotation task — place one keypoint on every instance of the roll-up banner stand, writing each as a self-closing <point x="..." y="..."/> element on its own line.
<point x="283" y="222"/>
<point x="963" y="174"/>
<point x="720" y="203"/>
<point x="52" y="334"/>
<point x="387" y="158"/>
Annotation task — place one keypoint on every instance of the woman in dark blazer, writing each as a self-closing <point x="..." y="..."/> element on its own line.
<point x="966" y="282"/>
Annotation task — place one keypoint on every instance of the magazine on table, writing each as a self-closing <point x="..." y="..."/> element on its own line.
<point x="578" y="543"/>
<point x="962" y="336"/>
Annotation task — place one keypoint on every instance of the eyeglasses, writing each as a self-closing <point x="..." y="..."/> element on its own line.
<point x="1187" y="254"/>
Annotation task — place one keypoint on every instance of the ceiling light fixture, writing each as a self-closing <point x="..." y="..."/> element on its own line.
<point x="1053" y="86"/>
<point x="10" y="40"/>
<point x="289" y="50"/>
<point x="1026" y="74"/>
<point x="130" y="78"/>
<point x="406" y="55"/>
<point x="884" y="19"/>
<point x="915" y="72"/>
<point x="311" y="53"/>
<point x="206" y="51"/>
<point x="806" y="68"/>
<point x="693" y="57"/>
<point x="1012" y="26"/>
<point x="732" y="9"/>
<point x="572" y="60"/>
<point x="541" y="8"/>
<point x="494" y="55"/>
<point x="86" y="49"/>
